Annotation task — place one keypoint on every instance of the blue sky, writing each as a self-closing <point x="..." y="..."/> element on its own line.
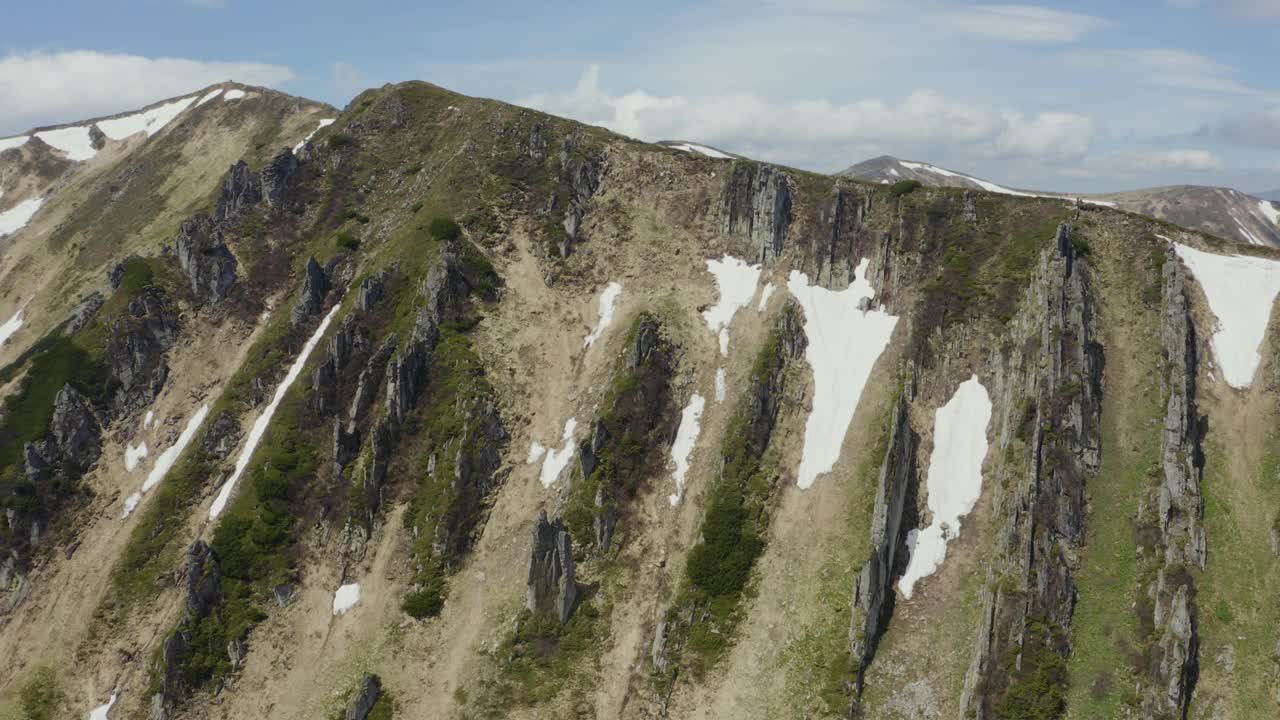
<point x="1085" y="96"/>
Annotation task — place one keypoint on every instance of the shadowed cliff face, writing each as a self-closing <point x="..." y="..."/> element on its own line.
<point x="399" y="336"/>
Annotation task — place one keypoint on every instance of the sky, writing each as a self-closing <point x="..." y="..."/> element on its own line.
<point x="1086" y="96"/>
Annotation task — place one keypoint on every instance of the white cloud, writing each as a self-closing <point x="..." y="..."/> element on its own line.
<point x="1260" y="128"/>
<point x="43" y="88"/>
<point x="817" y="129"/>
<point x="1162" y="67"/>
<point x="1167" y="160"/>
<point x="1024" y="23"/>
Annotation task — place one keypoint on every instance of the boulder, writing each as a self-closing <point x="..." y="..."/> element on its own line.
<point x="366" y="697"/>
<point x="135" y="351"/>
<point x="74" y="430"/>
<point x="222" y="436"/>
<point x="84" y="312"/>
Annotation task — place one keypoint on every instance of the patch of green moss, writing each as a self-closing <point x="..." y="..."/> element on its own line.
<point x="1037" y="690"/>
<point x="42" y="697"/>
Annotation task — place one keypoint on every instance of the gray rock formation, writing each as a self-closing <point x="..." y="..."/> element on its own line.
<point x="1051" y="373"/>
<point x="873" y="592"/>
<point x="371" y="291"/>
<point x="222" y="436"/>
<point x="552" y="588"/>
<point x="74" y="430"/>
<point x="315" y="285"/>
<point x="136" y="348"/>
<point x="241" y="190"/>
<point x="581" y="175"/>
<point x="366" y="697"/>
<point x="204" y="258"/>
<point x="1181" y="507"/>
<point x="203" y="593"/>
<point x="84" y="311"/>
<point x="279" y="177"/>
<point x="755" y="208"/>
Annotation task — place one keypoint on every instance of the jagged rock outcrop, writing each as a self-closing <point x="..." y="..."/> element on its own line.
<point x="582" y="176"/>
<point x="635" y="421"/>
<point x="205" y="259"/>
<point x="84" y="311"/>
<point x="241" y="190"/>
<point x="369" y="379"/>
<point x="366" y="697"/>
<point x="136" y="349"/>
<point x="552" y="588"/>
<point x="755" y="207"/>
<point x="1173" y="661"/>
<point x="203" y="593"/>
<point x="315" y="285"/>
<point x="841" y="237"/>
<point x="371" y="291"/>
<point x="222" y="436"/>
<point x="473" y="458"/>
<point x="873" y="593"/>
<point x="74" y="430"/>
<point x="1048" y="380"/>
<point x="279" y="176"/>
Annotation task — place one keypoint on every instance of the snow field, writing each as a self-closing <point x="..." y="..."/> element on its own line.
<point x="10" y="327"/>
<point x="720" y="384"/>
<point x="13" y="142"/>
<point x="17" y="217"/>
<point x="1240" y="291"/>
<point x="73" y="141"/>
<point x="844" y="344"/>
<point x="702" y="150"/>
<point x="736" y="282"/>
<point x="132" y="455"/>
<point x="212" y="94"/>
<point x="234" y="94"/>
<point x="148" y="121"/>
<point x="1268" y="210"/>
<point x="555" y="461"/>
<point x="765" y="294"/>
<point x="264" y="420"/>
<point x="346" y="598"/>
<point x="682" y="448"/>
<point x="954" y="482"/>
<point x="100" y="712"/>
<point x="323" y="124"/>
<point x="166" y="459"/>
<point x="608" y="297"/>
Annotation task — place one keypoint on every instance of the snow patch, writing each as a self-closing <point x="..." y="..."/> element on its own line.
<point x="557" y="460"/>
<point x="536" y="451"/>
<point x="720" y="385"/>
<point x="1268" y="209"/>
<point x="74" y="141"/>
<point x="844" y="344"/>
<point x="146" y="422"/>
<point x="10" y="327"/>
<point x="1253" y="239"/>
<point x="212" y="94"/>
<point x="608" y="297"/>
<point x="1240" y="291"/>
<point x="736" y="282"/>
<point x="764" y="296"/>
<point x="346" y="598"/>
<point x="148" y="121"/>
<point x="1103" y="203"/>
<point x="166" y="459"/>
<point x="326" y="122"/>
<point x="686" y="438"/>
<point x="954" y="481"/>
<point x="13" y="142"/>
<point x="985" y="185"/>
<point x="894" y="172"/>
<point x="234" y="94"/>
<point x="264" y="420"/>
<point x="17" y="217"/>
<point x="100" y="712"/>
<point x="132" y="455"/>
<point x="702" y="150"/>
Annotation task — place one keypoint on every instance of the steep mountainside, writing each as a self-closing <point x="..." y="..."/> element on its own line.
<point x="462" y="410"/>
<point x="1223" y="212"/>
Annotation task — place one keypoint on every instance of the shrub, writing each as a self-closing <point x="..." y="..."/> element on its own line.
<point x="41" y="697"/>
<point x="904" y="187"/>
<point x="444" y="229"/>
<point x="347" y="241"/>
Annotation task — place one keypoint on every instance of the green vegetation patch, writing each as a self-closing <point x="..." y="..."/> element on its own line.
<point x="42" y="697"/>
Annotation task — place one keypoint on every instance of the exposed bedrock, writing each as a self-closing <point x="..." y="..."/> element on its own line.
<point x="1048" y="384"/>
<point x="873" y="592"/>
<point x="1171" y="672"/>
<point x="203" y="594"/>
<point x="136" y="349"/>
<point x="551" y="586"/>
<point x="206" y="261"/>
<point x="366" y="696"/>
<point x="755" y="208"/>
<point x="315" y="285"/>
